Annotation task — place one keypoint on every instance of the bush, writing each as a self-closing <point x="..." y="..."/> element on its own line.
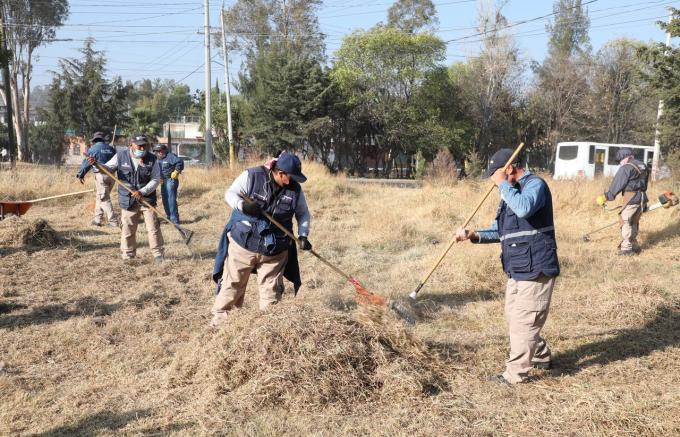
<point x="473" y="164"/>
<point x="444" y="166"/>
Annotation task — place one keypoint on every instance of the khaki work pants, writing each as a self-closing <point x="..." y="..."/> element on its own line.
<point x="128" y="236"/>
<point x="237" y="268"/>
<point x="103" y="185"/>
<point x="630" y="222"/>
<point x="526" y="310"/>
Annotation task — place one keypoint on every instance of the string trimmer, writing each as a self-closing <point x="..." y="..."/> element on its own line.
<point x="512" y="159"/>
<point x="363" y="295"/>
<point x="666" y="200"/>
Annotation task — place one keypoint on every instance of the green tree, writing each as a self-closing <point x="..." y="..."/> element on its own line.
<point x="257" y="25"/>
<point x="411" y="16"/>
<point x="664" y="74"/>
<point x="27" y="24"/>
<point x="282" y="91"/>
<point x="623" y="107"/>
<point x="380" y="71"/>
<point x="89" y="102"/>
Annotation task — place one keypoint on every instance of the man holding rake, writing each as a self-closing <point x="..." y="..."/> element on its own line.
<point x="525" y="228"/>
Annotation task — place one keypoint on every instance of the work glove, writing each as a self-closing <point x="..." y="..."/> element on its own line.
<point x="174" y="175"/>
<point x="304" y="243"/>
<point x="252" y="209"/>
<point x="601" y="200"/>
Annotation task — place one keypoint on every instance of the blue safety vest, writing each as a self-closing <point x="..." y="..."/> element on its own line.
<point x="136" y="179"/>
<point x="258" y="234"/>
<point x="528" y="244"/>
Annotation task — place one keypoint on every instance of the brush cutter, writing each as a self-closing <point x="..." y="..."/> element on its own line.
<point x="21" y="207"/>
<point x="185" y="233"/>
<point x="363" y="295"/>
<point x="666" y="200"/>
<point x="512" y="159"/>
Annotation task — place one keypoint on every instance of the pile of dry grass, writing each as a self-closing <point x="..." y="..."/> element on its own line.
<point x="301" y="357"/>
<point x="18" y="232"/>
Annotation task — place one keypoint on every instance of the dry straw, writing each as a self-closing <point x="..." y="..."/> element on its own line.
<point x="301" y="357"/>
<point x="18" y="232"/>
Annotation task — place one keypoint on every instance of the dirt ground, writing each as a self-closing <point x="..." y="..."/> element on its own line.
<point x="91" y="345"/>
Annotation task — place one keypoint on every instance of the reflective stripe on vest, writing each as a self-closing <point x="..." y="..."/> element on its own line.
<point x="527" y="233"/>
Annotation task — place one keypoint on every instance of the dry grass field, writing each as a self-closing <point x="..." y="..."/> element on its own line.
<point x="91" y="345"/>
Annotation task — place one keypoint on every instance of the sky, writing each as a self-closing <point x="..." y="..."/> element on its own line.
<point x="163" y="38"/>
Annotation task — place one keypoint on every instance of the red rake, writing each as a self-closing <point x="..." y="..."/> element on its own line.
<point x="363" y="296"/>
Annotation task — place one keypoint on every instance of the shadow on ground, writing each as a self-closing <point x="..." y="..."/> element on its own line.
<point x="46" y="314"/>
<point x="427" y="306"/>
<point x="657" y="334"/>
<point x="656" y="237"/>
<point x="91" y="425"/>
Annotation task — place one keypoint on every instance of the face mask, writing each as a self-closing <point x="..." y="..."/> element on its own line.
<point x="138" y="153"/>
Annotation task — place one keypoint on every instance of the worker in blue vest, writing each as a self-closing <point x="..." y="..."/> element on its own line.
<point x="101" y="151"/>
<point x="525" y="228"/>
<point x="138" y="169"/>
<point x="252" y="243"/>
<point x="171" y="167"/>
<point x="630" y="181"/>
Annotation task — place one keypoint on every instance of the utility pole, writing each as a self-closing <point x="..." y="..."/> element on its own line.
<point x="659" y="114"/>
<point x="208" y="90"/>
<point x="227" y="89"/>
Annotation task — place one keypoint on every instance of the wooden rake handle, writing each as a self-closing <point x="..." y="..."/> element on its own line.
<point x="59" y="196"/>
<point x="512" y="159"/>
<point x="294" y="238"/>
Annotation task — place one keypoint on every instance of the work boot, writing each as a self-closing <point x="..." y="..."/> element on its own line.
<point x="113" y="225"/>
<point x="628" y="252"/>
<point x="543" y="365"/>
<point x="219" y="319"/>
<point x="637" y="250"/>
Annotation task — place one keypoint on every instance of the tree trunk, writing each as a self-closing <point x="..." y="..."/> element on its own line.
<point x="26" y="80"/>
<point x="22" y="154"/>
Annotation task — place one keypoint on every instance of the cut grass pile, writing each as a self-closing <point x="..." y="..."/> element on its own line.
<point x="303" y="357"/>
<point x="16" y="231"/>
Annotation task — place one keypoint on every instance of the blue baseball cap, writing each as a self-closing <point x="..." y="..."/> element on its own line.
<point x="289" y="163"/>
<point x="498" y="160"/>
<point x="139" y="139"/>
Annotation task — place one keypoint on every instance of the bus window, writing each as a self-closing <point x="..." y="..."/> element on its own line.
<point x="639" y="154"/>
<point x="591" y="155"/>
<point x="567" y="153"/>
<point x="611" y="160"/>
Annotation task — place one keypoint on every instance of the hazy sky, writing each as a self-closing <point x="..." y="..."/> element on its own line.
<point x="160" y="38"/>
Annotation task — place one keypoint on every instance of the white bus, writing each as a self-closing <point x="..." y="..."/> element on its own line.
<point x="585" y="159"/>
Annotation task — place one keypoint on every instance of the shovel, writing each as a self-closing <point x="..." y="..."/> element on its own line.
<point x="185" y="233"/>
<point x="363" y="295"/>
<point x="21" y="207"/>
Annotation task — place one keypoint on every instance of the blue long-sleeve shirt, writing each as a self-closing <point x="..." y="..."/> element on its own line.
<point x="100" y="151"/>
<point x="170" y="163"/>
<point x="524" y="204"/>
